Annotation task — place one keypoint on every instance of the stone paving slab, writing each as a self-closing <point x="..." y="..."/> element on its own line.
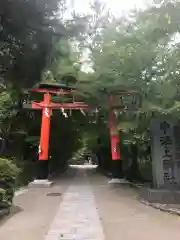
<point x="77" y="217"/>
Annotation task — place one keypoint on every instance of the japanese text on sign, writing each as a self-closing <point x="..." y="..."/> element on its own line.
<point x="166" y="143"/>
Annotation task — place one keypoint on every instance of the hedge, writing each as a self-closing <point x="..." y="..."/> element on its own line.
<point x="8" y="174"/>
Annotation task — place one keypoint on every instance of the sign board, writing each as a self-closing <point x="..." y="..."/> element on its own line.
<point x="166" y="153"/>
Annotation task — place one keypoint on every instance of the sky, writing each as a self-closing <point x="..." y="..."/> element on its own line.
<point x="117" y="7"/>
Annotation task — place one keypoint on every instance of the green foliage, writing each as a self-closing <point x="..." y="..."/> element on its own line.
<point x="8" y="174"/>
<point x="26" y="38"/>
<point x="33" y="141"/>
<point x="8" y="170"/>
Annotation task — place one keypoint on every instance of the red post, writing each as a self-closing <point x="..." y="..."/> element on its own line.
<point x="45" y="129"/>
<point x="114" y="134"/>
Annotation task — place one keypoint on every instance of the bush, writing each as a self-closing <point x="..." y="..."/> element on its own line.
<point x="8" y="174"/>
<point x="27" y="173"/>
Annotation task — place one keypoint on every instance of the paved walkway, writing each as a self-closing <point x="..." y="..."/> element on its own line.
<point x="77" y="217"/>
<point x="125" y="218"/>
<point x="88" y="209"/>
<point x="34" y="212"/>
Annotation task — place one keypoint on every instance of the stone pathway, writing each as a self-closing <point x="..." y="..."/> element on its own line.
<point x="77" y="217"/>
<point x="88" y="209"/>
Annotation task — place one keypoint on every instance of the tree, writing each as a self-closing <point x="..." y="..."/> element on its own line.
<point x="26" y="38"/>
<point x="137" y="53"/>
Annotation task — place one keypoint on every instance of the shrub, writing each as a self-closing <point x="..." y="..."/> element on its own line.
<point x="8" y="174"/>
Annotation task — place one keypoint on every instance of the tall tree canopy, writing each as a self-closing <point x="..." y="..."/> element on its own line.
<point x="27" y="29"/>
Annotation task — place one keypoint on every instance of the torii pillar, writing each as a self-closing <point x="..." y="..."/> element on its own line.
<point x="117" y="171"/>
<point x="43" y="163"/>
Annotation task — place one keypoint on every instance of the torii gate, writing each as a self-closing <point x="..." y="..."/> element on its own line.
<point x="47" y="106"/>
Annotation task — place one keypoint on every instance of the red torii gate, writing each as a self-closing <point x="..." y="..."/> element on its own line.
<point x="47" y="106"/>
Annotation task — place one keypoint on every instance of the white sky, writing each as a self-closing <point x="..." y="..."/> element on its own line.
<point x="118" y="7"/>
